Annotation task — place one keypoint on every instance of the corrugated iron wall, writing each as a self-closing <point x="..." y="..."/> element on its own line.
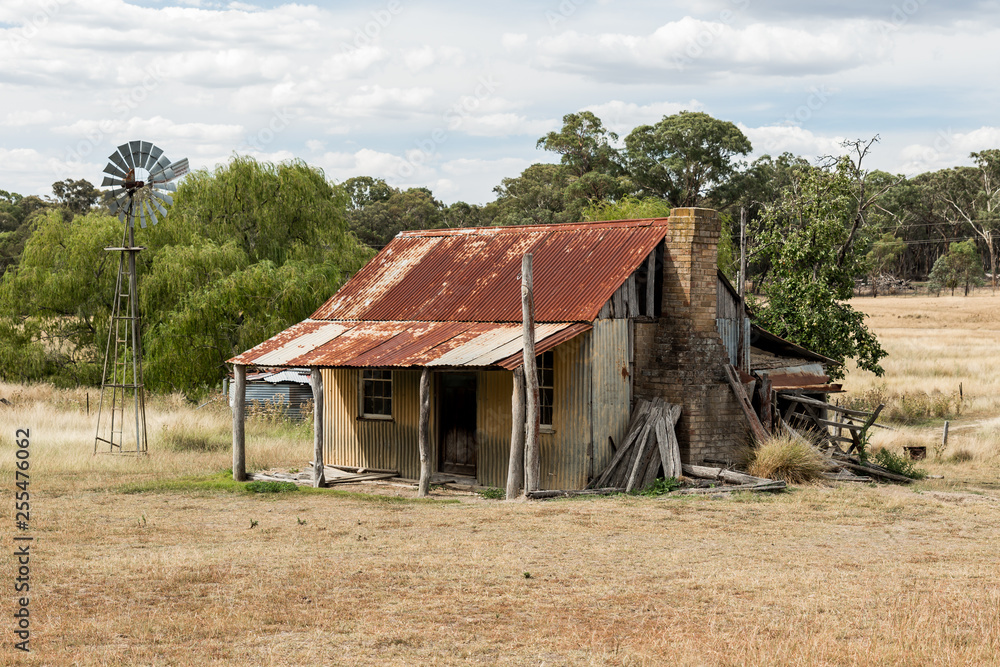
<point x="374" y="443"/>
<point x="591" y="403"/>
<point x="493" y="424"/>
<point x="611" y="387"/>
<point x="563" y="452"/>
<point x="729" y="330"/>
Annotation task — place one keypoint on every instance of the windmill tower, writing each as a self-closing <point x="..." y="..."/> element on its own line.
<point x="140" y="177"/>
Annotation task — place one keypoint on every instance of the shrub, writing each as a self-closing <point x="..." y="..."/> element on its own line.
<point x="787" y="458"/>
<point x="897" y="463"/>
<point x="270" y="487"/>
<point x="660" y="487"/>
<point x="493" y="493"/>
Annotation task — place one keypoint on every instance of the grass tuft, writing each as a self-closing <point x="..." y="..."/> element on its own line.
<point x="786" y="458"/>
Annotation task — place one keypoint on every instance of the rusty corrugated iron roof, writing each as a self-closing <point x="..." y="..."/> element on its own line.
<point x="473" y="275"/>
<point x="404" y="344"/>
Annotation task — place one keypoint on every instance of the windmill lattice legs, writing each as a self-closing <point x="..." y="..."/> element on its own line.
<point x="121" y="417"/>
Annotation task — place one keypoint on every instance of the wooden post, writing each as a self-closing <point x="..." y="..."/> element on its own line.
<point x="944" y="437"/>
<point x="424" y="436"/>
<point x="515" y="466"/>
<point x="741" y="346"/>
<point x="316" y="382"/>
<point x="651" y="284"/>
<point x="531" y="458"/>
<point x="239" y="417"/>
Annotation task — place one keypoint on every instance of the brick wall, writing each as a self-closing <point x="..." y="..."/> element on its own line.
<point x="681" y="357"/>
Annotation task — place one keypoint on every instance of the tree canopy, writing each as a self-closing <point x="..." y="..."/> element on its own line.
<point x="246" y="251"/>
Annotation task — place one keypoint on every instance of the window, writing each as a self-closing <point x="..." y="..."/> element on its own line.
<point x="376" y="394"/>
<point x="546" y="390"/>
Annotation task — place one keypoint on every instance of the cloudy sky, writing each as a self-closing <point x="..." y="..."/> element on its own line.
<point x="453" y="95"/>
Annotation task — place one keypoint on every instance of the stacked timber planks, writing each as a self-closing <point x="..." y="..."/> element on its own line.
<point x="650" y="445"/>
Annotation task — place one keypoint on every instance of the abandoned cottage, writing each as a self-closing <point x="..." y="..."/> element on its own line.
<point x="624" y="310"/>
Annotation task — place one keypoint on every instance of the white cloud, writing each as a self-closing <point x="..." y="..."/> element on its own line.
<point x="707" y="47"/>
<point x="777" y="139"/>
<point x="947" y="149"/>
<point x="622" y="117"/>
<point x="513" y="41"/>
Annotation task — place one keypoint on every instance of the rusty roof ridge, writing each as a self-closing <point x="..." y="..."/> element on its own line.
<point x="551" y="227"/>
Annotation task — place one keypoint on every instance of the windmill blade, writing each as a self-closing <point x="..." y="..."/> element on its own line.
<point x="159" y="207"/>
<point x="142" y="216"/>
<point x="144" y="148"/>
<point x="117" y="160"/>
<point x="166" y="199"/>
<point x="158" y="171"/>
<point x="148" y="211"/>
<point x="180" y="168"/>
<point x="135" y="147"/>
<point x="126" y="155"/>
<point x="154" y="155"/>
<point x="171" y="187"/>
<point x="111" y="181"/>
<point x="113" y="169"/>
<point x="151" y="211"/>
<point x="113" y="206"/>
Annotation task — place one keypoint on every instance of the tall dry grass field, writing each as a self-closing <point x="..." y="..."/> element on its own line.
<point x="937" y="345"/>
<point x="158" y="560"/>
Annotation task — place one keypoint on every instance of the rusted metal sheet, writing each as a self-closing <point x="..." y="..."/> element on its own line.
<point x="611" y="387"/>
<point x="403" y="344"/>
<point x="290" y="343"/>
<point x="473" y="274"/>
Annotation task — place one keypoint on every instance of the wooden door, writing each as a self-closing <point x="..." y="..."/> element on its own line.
<point x="457" y="417"/>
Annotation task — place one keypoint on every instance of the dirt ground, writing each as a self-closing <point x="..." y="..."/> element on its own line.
<point x="819" y="575"/>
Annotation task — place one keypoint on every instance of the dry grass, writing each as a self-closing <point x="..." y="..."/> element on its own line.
<point x="821" y="575"/>
<point x="934" y="345"/>
<point x="790" y="459"/>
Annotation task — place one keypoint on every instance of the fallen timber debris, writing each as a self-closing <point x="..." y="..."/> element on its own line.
<point x="334" y="475"/>
<point x="650" y="448"/>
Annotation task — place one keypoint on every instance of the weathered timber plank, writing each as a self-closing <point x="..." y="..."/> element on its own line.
<point x="756" y="428"/>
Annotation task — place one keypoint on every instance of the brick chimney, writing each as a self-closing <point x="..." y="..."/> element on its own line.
<point x="681" y="358"/>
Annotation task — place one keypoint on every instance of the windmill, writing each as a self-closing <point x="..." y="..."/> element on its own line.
<point x="140" y="179"/>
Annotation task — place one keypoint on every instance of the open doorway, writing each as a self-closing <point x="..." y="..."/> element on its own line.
<point x="457" y="419"/>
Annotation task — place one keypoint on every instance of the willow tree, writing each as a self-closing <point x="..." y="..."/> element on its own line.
<point x="246" y="251"/>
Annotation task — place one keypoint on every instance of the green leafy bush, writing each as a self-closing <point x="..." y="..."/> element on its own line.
<point x="270" y="487"/>
<point x="660" y="487"/>
<point x="493" y="493"/>
<point x="897" y="463"/>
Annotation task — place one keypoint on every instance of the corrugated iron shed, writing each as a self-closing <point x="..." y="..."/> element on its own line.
<point x="452" y="297"/>
<point x="473" y="275"/>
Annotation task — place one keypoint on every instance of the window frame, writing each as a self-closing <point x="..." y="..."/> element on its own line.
<point x="550" y="367"/>
<point x="385" y="381"/>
